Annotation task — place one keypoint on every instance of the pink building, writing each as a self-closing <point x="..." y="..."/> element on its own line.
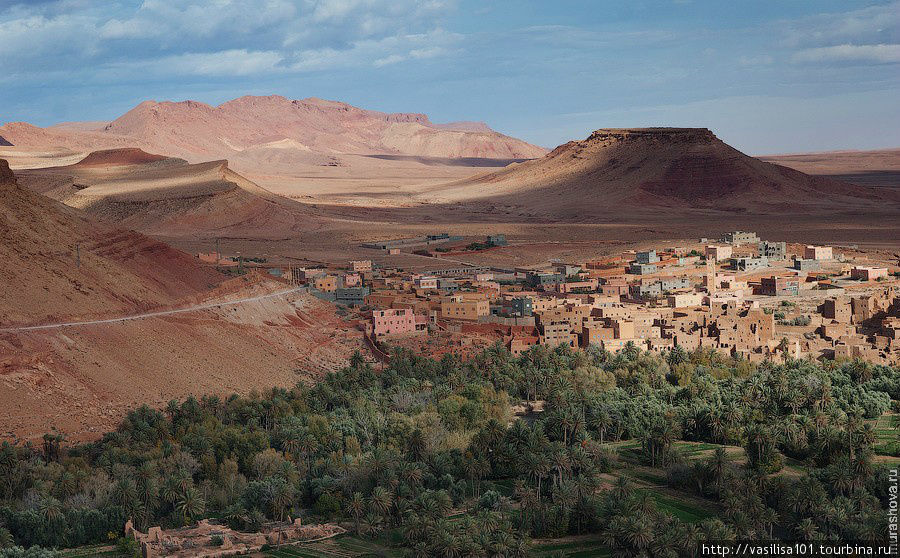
<point x="397" y="321"/>
<point x="352" y="280"/>
<point x="817" y="253"/>
<point x="718" y="253"/>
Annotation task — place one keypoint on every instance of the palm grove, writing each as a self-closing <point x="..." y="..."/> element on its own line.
<point x="427" y="455"/>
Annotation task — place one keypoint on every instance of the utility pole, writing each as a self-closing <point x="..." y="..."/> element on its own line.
<point x="78" y="255"/>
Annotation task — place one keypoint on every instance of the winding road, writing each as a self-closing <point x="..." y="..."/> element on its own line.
<point x="156" y="314"/>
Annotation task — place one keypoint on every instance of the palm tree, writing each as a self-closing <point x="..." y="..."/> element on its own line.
<point x="191" y="504"/>
<point x="536" y="465"/>
<point x="124" y="494"/>
<point x="291" y="446"/>
<point x="380" y="501"/>
<point x="371" y="525"/>
<point x="476" y="467"/>
<point x="281" y="496"/>
<point x="411" y="474"/>
<point x="806" y="530"/>
<point x="51" y="509"/>
<point x="355" y="507"/>
<point x="602" y="421"/>
<point x="6" y="538"/>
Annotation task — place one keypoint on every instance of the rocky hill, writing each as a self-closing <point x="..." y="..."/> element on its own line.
<point x="65" y="266"/>
<point x="616" y="170"/>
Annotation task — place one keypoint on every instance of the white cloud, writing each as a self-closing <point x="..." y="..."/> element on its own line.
<point x="379" y="53"/>
<point x="868" y="25"/>
<point x="879" y="54"/>
<point x="236" y="62"/>
<point x="222" y="37"/>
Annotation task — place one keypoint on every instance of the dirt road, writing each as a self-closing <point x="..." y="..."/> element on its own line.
<point x="156" y="314"/>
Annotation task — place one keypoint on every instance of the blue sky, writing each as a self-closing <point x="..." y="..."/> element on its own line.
<point x="767" y="77"/>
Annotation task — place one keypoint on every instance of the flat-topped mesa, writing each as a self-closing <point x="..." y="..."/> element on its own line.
<point x="662" y="134"/>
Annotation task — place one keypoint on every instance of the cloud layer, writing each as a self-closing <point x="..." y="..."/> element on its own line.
<point x="525" y="66"/>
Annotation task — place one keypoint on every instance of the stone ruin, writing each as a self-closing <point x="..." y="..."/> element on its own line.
<point x="200" y="540"/>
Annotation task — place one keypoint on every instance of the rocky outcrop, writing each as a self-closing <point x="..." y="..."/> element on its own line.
<point x="6" y="174"/>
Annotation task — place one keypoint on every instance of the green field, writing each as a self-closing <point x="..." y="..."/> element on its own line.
<point x="583" y="547"/>
<point x="887" y="438"/>
<point x="90" y="551"/>
<point x="682" y="509"/>
<point x="338" y="547"/>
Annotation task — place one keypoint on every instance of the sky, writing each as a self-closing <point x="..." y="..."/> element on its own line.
<point x="765" y="76"/>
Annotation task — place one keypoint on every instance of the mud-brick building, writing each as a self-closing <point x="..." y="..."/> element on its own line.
<point x="398" y="322"/>
<point x="462" y="307"/>
<point x="838" y="309"/>
<point x="745" y="331"/>
<point x="779" y="286"/>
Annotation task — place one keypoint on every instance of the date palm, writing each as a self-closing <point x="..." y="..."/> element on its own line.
<point x="190" y="505"/>
<point x="380" y="501"/>
<point x="356" y="506"/>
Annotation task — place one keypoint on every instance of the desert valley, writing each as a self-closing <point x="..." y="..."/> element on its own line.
<point x="297" y="327"/>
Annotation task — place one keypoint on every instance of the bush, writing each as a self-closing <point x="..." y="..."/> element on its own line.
<point x="327" y="505"/>
<point x="127" y="546"/>
<point x="490" y="500"/>
<point x="216" y="540"/>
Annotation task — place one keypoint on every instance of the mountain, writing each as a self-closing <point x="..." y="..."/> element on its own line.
<point x="168" y="197"/>
<point x="199" y="132"/>
<point x="196" y="130"/>
<point x="65" y="266"/>
<point x="620" y="170"/>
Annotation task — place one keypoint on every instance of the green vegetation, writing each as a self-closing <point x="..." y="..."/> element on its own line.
<point x="887" y="435"/>
<point x="634" y="453"/>
<point x="796" y="321"/>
